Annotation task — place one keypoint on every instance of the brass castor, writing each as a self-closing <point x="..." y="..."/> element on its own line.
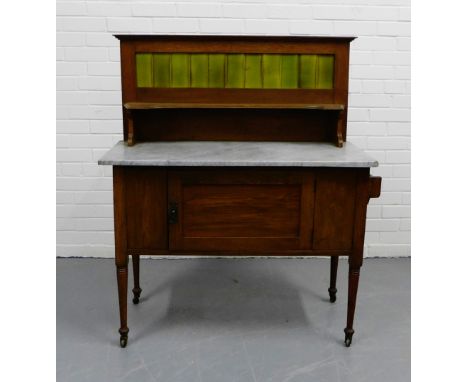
<point x="348" y="337"/>
<point x="123" y="336"/>
<point x="332" y="293"/>
<point x="123" y="341"/>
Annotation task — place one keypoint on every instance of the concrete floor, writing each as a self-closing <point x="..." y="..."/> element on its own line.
<point x="249" y="320"/>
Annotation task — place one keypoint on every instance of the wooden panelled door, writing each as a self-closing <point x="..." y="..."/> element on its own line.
<point x="240" y="209"/>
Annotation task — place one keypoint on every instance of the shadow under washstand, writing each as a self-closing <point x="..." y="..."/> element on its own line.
<point x="228" y="294"/>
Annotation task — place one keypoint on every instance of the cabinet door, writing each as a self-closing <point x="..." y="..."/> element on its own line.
<point x="240" y="210"/>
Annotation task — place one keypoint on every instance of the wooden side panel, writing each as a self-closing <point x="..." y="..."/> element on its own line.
<point x="234" y="210"/>
<point x="334" y="209"/>
<point x="146" y="206"/>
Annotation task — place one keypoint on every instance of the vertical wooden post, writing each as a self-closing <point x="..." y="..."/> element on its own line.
<point x="356" y="257"/>
<point x="122" y="283"/>
<point x="136" y="278"/>
<point x="333" y="271"/>
<point x="353" y="283"/>
<point x="121" y="255"/>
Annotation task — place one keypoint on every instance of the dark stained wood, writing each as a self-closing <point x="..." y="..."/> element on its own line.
<point x="121" y="255"/>
<point x="334" y="209"/>
<point x="122" y="286"/>
<point x="235" y="125"/>
<point x="231" y="38"/>
<point x="146" y="199"/>
<point x="136" y="278"/>
<point x="246" y="209"/>
<point x="356" y="257"/>
<point x="184" y="99"/>
<point x="120" y="221"/>
<point x="188" y="105"/>
<point x="238" y="211"/>
<point x="361" y="200"/>
<point x="353" y="283"/>
<point x="375" y="184"/>
<point x="333" y="271"/>
<point x="241" y="210"/>
<point x="237" y="96"/>
<point x="130" y="131"/>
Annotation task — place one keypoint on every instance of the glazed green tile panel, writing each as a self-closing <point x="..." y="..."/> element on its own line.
<point x="307" y="71"/>
<point x="253" y="71"/>
<point x="216" y="70"/>
<point x="235" y="70"/>
<point x="199" y="70"/>
<point x="180" y="70"/>
<point x="272" y="71"/>
<point x="325" y="66"/>
<point x="162" y="70"/>
<point x="144" y="70"/>
<point x="289" y="71"/>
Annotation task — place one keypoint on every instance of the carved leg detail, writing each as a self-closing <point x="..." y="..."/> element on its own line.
<point x="122" y="281"/>
<point x="353" y="282"/>
<point x="333" y="270"/>
<point x="136" y="278"/>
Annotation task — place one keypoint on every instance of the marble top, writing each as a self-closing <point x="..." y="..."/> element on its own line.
<point x="204" y="153"/>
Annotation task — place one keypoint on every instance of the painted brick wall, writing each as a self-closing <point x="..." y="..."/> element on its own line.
<point x="89" y="114"/>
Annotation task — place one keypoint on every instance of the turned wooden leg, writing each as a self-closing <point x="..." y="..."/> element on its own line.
<point x="122" y="282"/>
<point x="136" y="278"/>
<point x="333" y="270"/>
<point x="353" y="282"/>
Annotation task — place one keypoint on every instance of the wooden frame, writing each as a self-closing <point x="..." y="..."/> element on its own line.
<point x="134" y="98"/>
<point x="316" y="211"/>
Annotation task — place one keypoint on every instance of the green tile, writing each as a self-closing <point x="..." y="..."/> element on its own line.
<point x="180" y="70"/>
<point x="199" y="71"/>
<point x="235" y="71"/>
<point x="271" y="71"/>
<point x="308" y="71"/>
<point x="162" y="70"/>
<point x="325" y="67"/>
<point x="253" y="71"/>
<point x="289" y="71"/>
<point x="144" y="70"/>
<point x="216" y="71"/>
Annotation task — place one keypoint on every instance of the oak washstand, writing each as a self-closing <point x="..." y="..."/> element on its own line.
<point x="236" y="145"/>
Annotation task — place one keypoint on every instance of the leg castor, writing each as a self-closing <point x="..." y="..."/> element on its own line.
<point x="348" y="337"/>
<point x="123" y="337"/>
<point x="123" y="341"/>
<point x="136" y="295"/>
<point x="332" y="293"/>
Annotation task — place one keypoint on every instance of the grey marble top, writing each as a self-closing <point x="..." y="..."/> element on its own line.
<point x="203" y="153"/>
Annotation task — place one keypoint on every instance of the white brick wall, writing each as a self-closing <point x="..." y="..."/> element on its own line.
<point x="88" y="98"/>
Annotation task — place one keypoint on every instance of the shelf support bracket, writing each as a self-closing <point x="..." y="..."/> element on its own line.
<point x="339" y="129"/>
<point x="130" y="132"/>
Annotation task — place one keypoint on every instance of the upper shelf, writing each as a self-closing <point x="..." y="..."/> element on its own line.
<point x="189" y="105"/>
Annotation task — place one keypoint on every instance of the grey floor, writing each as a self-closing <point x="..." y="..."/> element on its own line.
<point x="204" y="320"/>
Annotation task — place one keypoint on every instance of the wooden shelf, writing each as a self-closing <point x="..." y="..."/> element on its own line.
<point x="188" y="105"/>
